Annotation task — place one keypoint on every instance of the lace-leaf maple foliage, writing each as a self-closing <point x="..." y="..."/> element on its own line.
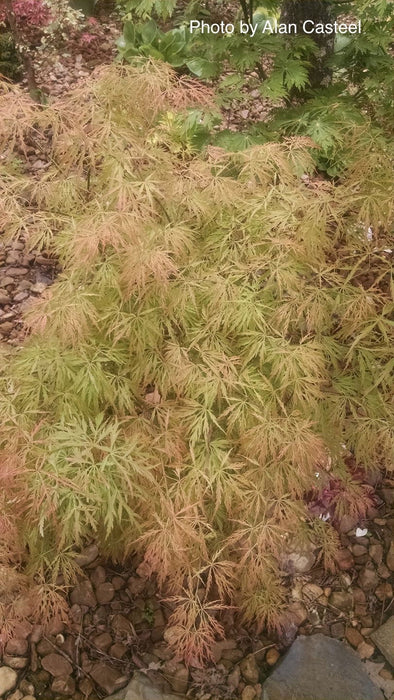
<point x="220" y="331"/>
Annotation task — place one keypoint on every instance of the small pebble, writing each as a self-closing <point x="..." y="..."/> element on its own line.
<point x="384" y="591"/>
<point x="248" y="693"/>
<point x="354" y="637"/>
<point x="365" y="650"/>
<point x="272" y="656"/>
<point x="386" y="674"/>
<point x="26" y="688"/>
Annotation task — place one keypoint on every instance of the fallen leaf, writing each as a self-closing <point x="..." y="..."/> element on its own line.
<point x="361" y="531"/>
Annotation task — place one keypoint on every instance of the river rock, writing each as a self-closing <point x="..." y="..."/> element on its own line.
<point x="342" y="600"/>
<point x="98" y="576"/>
<point x="365" y="650"/>
<point x="136" y="585"/>
<point x="368" y="578"/>
<point x="17" y="646"/>
<point x="17" y="271"/>
<point x="298" y="562"/>
<point x="272" y="657"/>
<point x="359" y="550"/>
<point x="6" y="281"/>
<point x="354" y="637"/>
<point x="118" y="582"/>
<point x="390" y="557"/>
<point x="218" y="648"/>
<point x="107" y="677"/>
<point x="65" y="685"/>
<point x="18" y="245"/>
<point x="39" y="288"/>
<point x="384" y="590"/>
<point x="27" y="688"/>
<point x="105" y="593"/>
<point x="121" y="627"/>
<point x="44" y="647"/>
<point x="56" y="665"/>
<point x="6" y="327"/>
<point x="249" y="669"/>
<point x="16" y="695"/>
<point x="86" y="687"/>
<point x="142" y="688"/>
<point x="384" y="639"/>
<point x="321" y="668"/>
<point x="103" y="641"/>
<point x="8" y="679"/>
<point x="87" y="555"/>
<point x="344" y="559"/>
<point x="4" y="298"/>
<point x="177" y="676"/>
<point x="83" y="595"/>
<point x="118" y="650"/>
<point x="16" y="662"/>
<point x="376" y="552"/>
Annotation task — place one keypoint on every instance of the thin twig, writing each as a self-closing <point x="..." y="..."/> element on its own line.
<point x="69" y="659"/>
<point x="268" y="646"/>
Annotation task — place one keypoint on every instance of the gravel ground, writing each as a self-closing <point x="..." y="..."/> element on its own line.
<point x="117" y="622"/>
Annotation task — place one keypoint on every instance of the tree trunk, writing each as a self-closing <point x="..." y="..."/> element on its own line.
<point x="319" y="11"/>
<point x="23" y="52"/>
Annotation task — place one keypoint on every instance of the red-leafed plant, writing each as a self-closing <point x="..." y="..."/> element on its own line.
<point x="28" y="13"/>
<point x="34" y="23"/>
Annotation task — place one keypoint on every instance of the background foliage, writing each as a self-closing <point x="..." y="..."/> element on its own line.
<point x="277" y="67"/>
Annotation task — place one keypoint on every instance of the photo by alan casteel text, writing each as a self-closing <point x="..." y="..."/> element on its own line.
<point x="272" y="26"/>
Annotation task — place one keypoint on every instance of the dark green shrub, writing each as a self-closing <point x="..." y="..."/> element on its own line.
<point x="10" y="63"/>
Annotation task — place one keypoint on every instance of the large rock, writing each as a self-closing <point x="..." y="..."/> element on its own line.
<point x="8" y="679"/>
<point x="320" y="668"/>
<point x="141" y="688"/>
<point x="384" y="639"/>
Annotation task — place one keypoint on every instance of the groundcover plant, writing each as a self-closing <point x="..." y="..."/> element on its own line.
<point x="218" y="344"/>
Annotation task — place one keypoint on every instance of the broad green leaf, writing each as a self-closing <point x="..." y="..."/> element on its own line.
<point x="203" y="68"/>
<point x="148" y="31"/>
<point x="129" y="32"/>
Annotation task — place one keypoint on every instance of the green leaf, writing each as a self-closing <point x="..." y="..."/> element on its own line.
<point x="130" y="52"/>
<point x="129" y="32"/>
<point x="232" y="140"/>
<point x="155" y="53"/>
<point x="148" y="31"/>
<point x="232" y="81"/>
<point x="203" y="68"/>
<point x="341" y="42"/>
